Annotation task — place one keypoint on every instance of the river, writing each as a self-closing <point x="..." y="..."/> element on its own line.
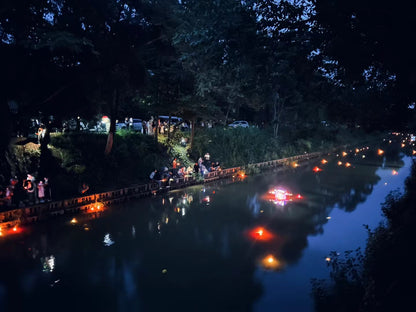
<point x="240" y="245"/>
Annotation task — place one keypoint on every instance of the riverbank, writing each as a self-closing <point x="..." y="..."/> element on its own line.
<point x="72" y="159"/>
<point x="97" y="203"/>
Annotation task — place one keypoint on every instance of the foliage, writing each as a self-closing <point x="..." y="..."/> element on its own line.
<point x="74" y="159"/>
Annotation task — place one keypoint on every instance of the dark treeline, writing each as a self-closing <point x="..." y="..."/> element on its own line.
<point x="285" y="64"/>
<point x="294" y="68"/>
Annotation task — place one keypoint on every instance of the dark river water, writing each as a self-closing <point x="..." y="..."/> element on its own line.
<point x="224" y="246"/>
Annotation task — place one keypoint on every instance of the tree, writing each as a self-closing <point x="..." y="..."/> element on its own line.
<point x="371" y="36"/>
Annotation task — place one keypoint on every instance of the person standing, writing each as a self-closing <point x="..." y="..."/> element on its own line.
<point x="41" y="191"/>
<point x="174" y="163"/>
<point x="30" y="186"/>
<point x="47" y="187"/>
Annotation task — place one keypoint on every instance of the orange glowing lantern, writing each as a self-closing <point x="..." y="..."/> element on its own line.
<point x="403" y="145"/>
<point x="270" y="262"/>
<point x="357" y="150"/>
<point x="339" y="163"/>
<point x="344" y="154"/>
<point x="327" y="259"/>
<point x="380" y="152"/>
<point x="347" y="164"/>
<point x="324" y="161"/>
<point x="73" y="221"/>
<point x="394" y="172"/>
<point x="413" y="152"/>
<point x="295" y="164"/>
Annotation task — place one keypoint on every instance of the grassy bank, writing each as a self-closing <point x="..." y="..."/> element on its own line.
<point x="242" y="146"/>
<point x="74" y="158"/>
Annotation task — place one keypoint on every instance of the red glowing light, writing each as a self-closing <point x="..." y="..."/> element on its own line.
<point x="299" y="196"/>
<point x="317" y="169"/>
<point x="261" y="234"/>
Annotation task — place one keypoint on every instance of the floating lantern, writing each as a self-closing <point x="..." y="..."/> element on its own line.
<point x="317" y="169"/>
<point x="339" y="163"/>
<point x="73" y="221"/>
<point x="394" y="172"/>
<point x="403" y="145"/>
<point x="327" y="259"/>
<point x="347" y="164"/>
<point x="413" y="152"/>
<point x="380" y="152"/>
<point x="260" y="234"/>
<point x="357" y="150"/>
<point x="344" y="154"/>
<point x="324" y="161"/>
<point x="270" y="262"/>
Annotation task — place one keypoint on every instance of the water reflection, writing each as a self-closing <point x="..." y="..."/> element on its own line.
<point x="195" y="249"/>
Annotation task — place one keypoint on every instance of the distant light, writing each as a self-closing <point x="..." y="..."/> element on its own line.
<point x="380" y="152"/>
<point x="363" y="156"/>
<point x="339" y="163"/>
<point x="15" y="228"/>
<point x="324" y="161"/>
<point x="344" y="154"/>
<point x="73" y="221"/>
<point x="403" y="145"/>
<point x="357" y="150"/>
<point x="347" y="164"/>
<point x="328" y="218"/>
<point x="164" y="271"/>
<point x="394" y="172"/>
<point x="327" y="259"/>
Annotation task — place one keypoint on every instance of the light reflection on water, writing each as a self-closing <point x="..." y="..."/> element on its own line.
<point x="191" y="250"/>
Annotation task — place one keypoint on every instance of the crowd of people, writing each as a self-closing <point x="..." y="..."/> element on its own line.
<point x="201" y="168"/>
<point x="29" y="191"/>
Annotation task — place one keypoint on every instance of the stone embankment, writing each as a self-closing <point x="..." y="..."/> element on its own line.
<point x="96" y="203"/>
